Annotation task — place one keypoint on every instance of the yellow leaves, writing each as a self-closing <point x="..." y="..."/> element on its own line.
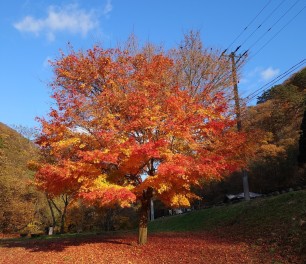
<point x="81" y="179"/>
<point x="162" y="188"/>
<point x="266" y="137"/>
<point x="122" y="139"/>
<point x="167" y="154"/>
<point x="111" y="82"/>
<point x="73" y="142"/>
<point x="182" y="200"/>
<point x="271" y="150"/>
<point x="102" y="192"/>
<point x="179" y="200"/>
<point x="83" y="145"/>
<point x="100" y="181"/>
<point x="34" y="165"/>
<point x="126" y="151"/>
<point x="67" y="142"/>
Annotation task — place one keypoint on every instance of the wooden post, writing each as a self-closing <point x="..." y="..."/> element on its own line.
<point x="245" y="177"/>
<point x="152" y="210"/>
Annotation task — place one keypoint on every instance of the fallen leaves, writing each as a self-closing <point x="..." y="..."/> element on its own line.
<point x="161" y="248"/>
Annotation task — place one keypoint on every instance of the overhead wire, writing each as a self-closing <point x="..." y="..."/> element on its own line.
<point x="281" y="76"/>
<point x="270" y="28"/>
<point x="290" y="70"/>
<point x="262" y="23"/>
<point x="264" y="45"/>
<point x="250" y="23"/>
<point x="263" y="88"/>
<point x="277" y="78"/>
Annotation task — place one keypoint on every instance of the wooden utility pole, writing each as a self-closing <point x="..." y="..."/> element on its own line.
<point x="245" y="179"/>
<point x="236" y="94"/>
<point x="152" y="210"/>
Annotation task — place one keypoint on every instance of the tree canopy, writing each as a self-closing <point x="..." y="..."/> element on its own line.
<point x="126" y="127"/>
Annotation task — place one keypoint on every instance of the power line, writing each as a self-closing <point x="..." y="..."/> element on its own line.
<point x="265" y="33"/>
<point x="270" y="28"/>
<point x="263" y="46"/>
<point x="260" y="25"/>
<point x="276" y="79"/>
<point x="250" y="23"/>
<point x="279" y="77"/>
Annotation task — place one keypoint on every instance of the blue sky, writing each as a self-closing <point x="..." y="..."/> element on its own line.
<point x="33" y="31"/>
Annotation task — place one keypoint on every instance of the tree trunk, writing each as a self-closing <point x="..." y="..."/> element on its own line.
<point x="63" y="216"/>
<point x="108" y="223"/>
<point x="52" y="212"/>
<point x="62" y="228"/>
<point x="144" y="215"/>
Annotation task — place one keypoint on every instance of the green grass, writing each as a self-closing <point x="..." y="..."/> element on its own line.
<point x="275" y="212"/>
<point x="279" y="214"/>
<point x="274" y="223"/>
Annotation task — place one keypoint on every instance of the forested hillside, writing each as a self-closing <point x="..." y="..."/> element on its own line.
<point x="278" y="115"/>
<point x="19" y="201"/>
<point x="25" y="209"/>
<point x="275" y="122"/>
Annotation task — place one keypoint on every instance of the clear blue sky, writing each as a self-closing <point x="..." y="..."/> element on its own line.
<point x="33" y="31"/>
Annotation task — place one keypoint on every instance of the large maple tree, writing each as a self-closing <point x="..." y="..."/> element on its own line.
<point x="126" y="128"/>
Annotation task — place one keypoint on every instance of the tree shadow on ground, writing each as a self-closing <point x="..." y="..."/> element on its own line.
<point x="218" y="244"/>
<point x="59" y="244"/>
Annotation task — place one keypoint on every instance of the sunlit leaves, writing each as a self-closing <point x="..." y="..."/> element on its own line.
<point x="103" y="193"/>
<point x="131" y="119"/>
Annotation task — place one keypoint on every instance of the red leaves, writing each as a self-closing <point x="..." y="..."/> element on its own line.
<point x="108" y="195"/>
<point x="98" y="157"/>
<point x="140" y="121"/>
<point x="196" y="248"/>
<point x="55" y="180"/>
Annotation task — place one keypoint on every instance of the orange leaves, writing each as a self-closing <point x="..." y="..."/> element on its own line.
<point x="142" y="126"/>
<point x="98" y="156"/>
<point x="109" y="196"/>
<point x="103" y="193"/>
<point x="53" y="179"/>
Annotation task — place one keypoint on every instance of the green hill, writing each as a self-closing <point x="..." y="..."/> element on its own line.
<point x="278" y="220"/>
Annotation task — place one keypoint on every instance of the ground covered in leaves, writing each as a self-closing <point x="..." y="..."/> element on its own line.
<point x="188" y="247"/>
<point x="264" y="231"/>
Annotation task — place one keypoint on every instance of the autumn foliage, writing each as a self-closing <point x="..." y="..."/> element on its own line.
<point x="126" y="128"/>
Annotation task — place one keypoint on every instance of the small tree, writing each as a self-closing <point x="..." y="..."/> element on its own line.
<point x="59" y="192"/>
<point x="127" y="128"/>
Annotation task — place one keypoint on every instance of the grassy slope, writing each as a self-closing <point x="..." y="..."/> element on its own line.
<point x="267" y="213"/>
<point x="276" y="222"/>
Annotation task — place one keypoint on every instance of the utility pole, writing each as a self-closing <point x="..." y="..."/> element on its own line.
<point x="245" y="177"/>
<point x="152" y="210"/>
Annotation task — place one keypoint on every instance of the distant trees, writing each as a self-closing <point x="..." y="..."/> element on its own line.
<point x="278" y="115"/>
<point x="274" y="125"/>
<point x="28" y="132"/>
<point x="20" y="203"/>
